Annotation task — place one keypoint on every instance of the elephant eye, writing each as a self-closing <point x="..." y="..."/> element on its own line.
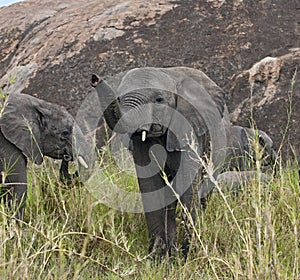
<point x="159" y="99"/>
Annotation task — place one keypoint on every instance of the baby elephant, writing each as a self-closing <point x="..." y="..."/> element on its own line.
<point x="247" y="146"/>
<point x="29" y="129"/>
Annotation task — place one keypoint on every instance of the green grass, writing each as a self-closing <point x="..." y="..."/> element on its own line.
<point x="66" y="234"/>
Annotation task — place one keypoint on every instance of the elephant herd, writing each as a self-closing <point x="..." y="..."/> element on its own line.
<point x="179" y="134"/>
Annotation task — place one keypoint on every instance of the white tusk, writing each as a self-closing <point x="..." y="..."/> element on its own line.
<point x="144" y="134"/>
<point x="82" y="162"/>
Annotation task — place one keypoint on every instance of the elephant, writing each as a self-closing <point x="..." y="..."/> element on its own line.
<point x="64" y="175"/>
<point x="31" y="128"/>
<point x="234" y="181"/>
<point x="245" y="145"/>
<point x="176" y="121"/>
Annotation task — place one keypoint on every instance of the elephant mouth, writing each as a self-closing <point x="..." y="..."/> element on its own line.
<point x="67" y="157"/>
<point x="80" y="159"/>
<point x="155" y="130"/>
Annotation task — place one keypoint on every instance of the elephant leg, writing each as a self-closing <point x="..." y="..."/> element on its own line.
<point x="15" y="198"/>
<point x="162" y="230"/>
<point x="156" y="197"/>
<point x="156" y="232"/>
<point x="155" y="209"/>
<point x="14" y="186"/>
<point x="190" y="203"/>
<point x="170" y="224"/>
<point x="186" y="185"/>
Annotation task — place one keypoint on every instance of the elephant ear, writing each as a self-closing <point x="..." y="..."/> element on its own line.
<point x="200" y="104"/>
<point x="21" y="125"/>
<point x="186" y="124"/>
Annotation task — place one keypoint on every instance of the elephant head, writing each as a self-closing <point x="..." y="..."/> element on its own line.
<point x="247" y="144"/>
<point x="40" y="128"/>
<point x="31" y="128"/>
<point x="178" y="101"/>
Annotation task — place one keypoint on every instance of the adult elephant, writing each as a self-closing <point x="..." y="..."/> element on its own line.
<point x="29" y="129"/>
<point x="175" y="119"/>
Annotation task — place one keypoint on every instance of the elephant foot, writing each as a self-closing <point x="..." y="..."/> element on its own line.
<point x="157" y="248"/>
<point x="159" y="251"/>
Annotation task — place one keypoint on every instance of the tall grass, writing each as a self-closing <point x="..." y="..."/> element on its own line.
<point x="66" y="234"/>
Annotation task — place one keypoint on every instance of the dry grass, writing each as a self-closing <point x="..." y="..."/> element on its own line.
<point x="67" y="235"/>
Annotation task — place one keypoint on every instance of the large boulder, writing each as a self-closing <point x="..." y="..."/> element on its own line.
<point x="248" y="48"/>
<point x="268" y="96"/>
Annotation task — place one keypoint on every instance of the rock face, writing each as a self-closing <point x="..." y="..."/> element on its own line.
<point x="249" y="49"/>
<point x="268" y="94"/>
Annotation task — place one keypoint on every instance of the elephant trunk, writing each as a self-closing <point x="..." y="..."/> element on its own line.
<point x="82" y="149"/>
<point x="108" y="104"/>
<point x="129" y="113"/>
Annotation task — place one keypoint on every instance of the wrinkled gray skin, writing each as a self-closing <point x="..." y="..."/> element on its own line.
<point x="241" y="158"/>
<point x="235" y="181"/>
<point x="242" y="152"/>
<point x="140" y="102"/>
<point x="29" y="129"/>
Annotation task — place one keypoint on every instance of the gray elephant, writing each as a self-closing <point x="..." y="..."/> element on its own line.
<point x="175" y="119"/>
<point x="245" y="145"/>
<point x="29" y="129"/>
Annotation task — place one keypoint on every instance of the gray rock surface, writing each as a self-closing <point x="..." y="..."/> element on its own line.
<point x="251" y="49"/>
